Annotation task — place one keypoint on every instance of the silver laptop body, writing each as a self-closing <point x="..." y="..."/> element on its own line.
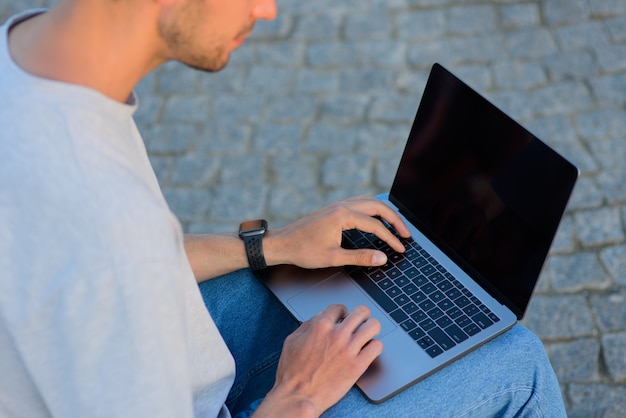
<point x="483" y="198"/>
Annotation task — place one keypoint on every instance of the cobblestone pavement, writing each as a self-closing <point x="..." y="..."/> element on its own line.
<point x="317" y="106"/>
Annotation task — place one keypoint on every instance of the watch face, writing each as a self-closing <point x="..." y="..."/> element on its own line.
<point x="253" y="227"/>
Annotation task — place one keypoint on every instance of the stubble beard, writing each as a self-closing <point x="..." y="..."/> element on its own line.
<point x="182" y="46"/>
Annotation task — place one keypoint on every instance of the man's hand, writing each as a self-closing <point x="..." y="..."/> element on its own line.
<point x="321" y="361"/>
<point x="315" y="241"/>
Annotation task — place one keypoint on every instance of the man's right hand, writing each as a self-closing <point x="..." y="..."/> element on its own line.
<point x="321" y="361"/>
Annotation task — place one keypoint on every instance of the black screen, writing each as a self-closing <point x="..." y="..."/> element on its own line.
<point x="482" y="187"/>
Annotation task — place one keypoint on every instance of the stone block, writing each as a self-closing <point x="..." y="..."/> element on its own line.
<point x="558" y="12"/>
<point x="576" y="360"/>
<point x="569" y="316"/>
<point x="472" y="19"/>
<point x="273" y="139"/>
<point x="613" y="348"/>
<point x="347" y="170"/>
<point x="610" y="311"/>
<point x="614" y="260"/>
<point x="599" y="227"/>
<point x="518" y="16"/>
<point x="589" y="35"/>
<point x="573" y="273"/>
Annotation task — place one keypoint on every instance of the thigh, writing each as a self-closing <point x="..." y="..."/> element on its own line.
<point x="509" y="377"/>
<point x="254" y="325"/>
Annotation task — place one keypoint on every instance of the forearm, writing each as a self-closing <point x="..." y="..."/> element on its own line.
<point x="214" y="255"/>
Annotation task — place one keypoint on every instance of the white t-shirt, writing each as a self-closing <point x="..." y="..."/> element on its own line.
<point x="100" y="314"/>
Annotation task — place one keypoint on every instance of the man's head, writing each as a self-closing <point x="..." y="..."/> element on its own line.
<point x="203" y="33"/>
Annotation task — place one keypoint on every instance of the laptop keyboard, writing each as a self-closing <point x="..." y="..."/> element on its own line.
<point x="434" y="308"/>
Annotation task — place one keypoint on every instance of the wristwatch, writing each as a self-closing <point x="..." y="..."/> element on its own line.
<point x="251" y="232"/>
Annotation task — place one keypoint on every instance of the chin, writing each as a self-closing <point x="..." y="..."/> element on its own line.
<point x="211" y="67"/>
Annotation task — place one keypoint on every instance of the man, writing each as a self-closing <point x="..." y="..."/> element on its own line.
<point x="100" y="313"/>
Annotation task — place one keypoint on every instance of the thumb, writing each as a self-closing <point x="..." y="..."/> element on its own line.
<point x="365" y="257"/>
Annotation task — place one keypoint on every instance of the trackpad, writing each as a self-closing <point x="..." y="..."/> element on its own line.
<point x="337" y="289"/>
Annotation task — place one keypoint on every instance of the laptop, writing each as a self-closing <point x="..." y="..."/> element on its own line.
<point x="483" y="198"/>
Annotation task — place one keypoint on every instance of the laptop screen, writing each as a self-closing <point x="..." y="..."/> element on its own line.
<point x="481" y="187"/>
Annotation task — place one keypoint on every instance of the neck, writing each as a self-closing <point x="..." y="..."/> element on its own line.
<point x="108" y="46"/>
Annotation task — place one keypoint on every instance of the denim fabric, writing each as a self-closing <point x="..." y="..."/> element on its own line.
<point x="510" y="376"/>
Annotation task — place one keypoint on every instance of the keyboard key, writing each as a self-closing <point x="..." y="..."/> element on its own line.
<point x="435" y="313"/>
<point x="427" y="324"/>
<point x="411" y="272"/>
<point x="463" y="321"/>
<point x="401" y="299"/>
<point x="411" y="254"/>
<point x="419" y="297"/>
<point x="404" y="264"/>
<point x="428" y="288"/>
<point x="385" y="284"/>
<point x="418" y="316"/>
<point x="471" y="310"/>
<point x="444" y="322"/>
<point x="444" y="285"/>
<point x="427" y="269"/>
<point x="454" y="312"/>
<point x="434" y="351"/>
<point x="456" y="333"/>
<point x="410" y="288"/>
<point x="436" y="278"/>
<point x="408" y="325"/>
<point x="410" y="308"/>
<point x="425" y="342"/>
<point x="419" y="262"/>
<point x="453" y="293"/>
<point x="417" y="333"/>
<point x="441" y="338"/>
<point x="402" y="281"/>
<point x="493" y="317"/>
<point x="482" y="320"/>
<point x="471" y="329"/>
<point x="427" y="305"/>
<point x="394" y="273"/>
<point x="445" y="304"/>
<point x="393" y="291"/>
<point x="462" y="302"/>
<point x="437" y="296"/>
<point x="399" y="316"/>
<point x="420" y="280"/>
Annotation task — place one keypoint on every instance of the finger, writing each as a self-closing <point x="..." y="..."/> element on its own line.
<point x="375" y="226"/>
<point x="374" y="207"/>
<point x="370" y="351"/>
<point x="359" y="257"/>
<point x="335" y="313"/>
<point x="356" y="318"/>
<point x="366" y="332"/>
<point x="392" y="217"/>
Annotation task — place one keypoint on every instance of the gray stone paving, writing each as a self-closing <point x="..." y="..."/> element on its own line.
<point x="317" y="105"/>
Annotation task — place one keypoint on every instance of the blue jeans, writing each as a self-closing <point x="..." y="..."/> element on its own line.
<point x="510" y="376"/>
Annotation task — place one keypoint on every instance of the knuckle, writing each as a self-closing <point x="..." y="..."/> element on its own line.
<point x="362" y="258"/>
<point x="362" y="310"/>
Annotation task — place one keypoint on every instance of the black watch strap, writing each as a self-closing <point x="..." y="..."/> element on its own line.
<point x="251" y="233"/>
<point x="254" y="251"/>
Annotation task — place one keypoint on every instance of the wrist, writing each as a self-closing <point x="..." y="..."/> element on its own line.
<point x="252" y="233"/>
<point x="276" y="248"/>
<point x="279" y="403"/>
